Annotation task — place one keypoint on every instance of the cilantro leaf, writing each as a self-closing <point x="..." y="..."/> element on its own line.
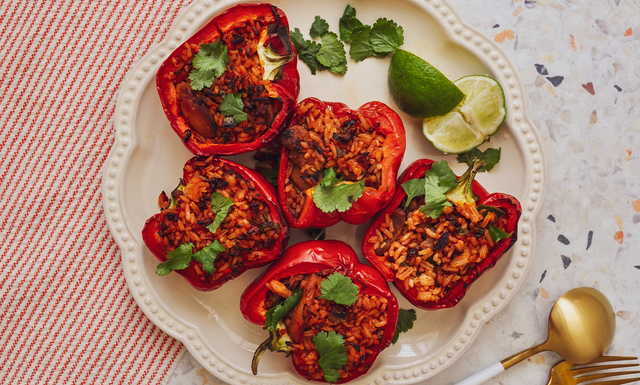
<point x="445" y="175"/>
<point x="332" y="54"/>
<point x="330" y="178"/>
<point x="333" y="194"/>
<point x="232" y="105"/>
<point x="438" y="180"/>
<point x="490" y="155"/>
<point x="413" y="188"/>
<point x="339" y="289"/>
<point x="348" y="23"/>
<point x="361" y="48"/>
<point x="405" y="323"/>
<point x="386" y="36"/>
<point x="307" y="51"/>
<point x="208" y="254"/>
<point x="498" y="234"/>
<point x="209" y="63"/>
<point x="281" y="309"/>
<point x="319" y="27"/>
<point x="333" y="354"/>
<point x="178" y="259"/>
<point x="220" y="206"/>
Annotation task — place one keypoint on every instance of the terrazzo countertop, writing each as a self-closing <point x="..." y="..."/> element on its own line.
<point x="579" y="63"/>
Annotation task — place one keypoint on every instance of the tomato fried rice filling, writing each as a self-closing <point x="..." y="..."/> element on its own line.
<point x="320" y="140"/>
<point x="361" y="324"/>
<point x="246" y="230"/>
<point x="432" y="254"/>
<point x="244" y="75"/>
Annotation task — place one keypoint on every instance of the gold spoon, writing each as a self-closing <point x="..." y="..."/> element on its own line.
<point x="581" y="329"/>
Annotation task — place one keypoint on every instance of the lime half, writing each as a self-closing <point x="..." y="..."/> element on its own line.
<point x="471" y="122"/>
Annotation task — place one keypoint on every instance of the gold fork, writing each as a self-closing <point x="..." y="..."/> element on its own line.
<point x="566" y="373"/>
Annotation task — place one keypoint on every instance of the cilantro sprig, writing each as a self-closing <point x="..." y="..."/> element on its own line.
<point x="232" y="105"/>
<point x="328" y="55"/>
<point x="220" y="206"/>
<point x="333" y="354"/>
<point x="334" y="194"/>
<point x="181" y="257"/>
<point x="498" y="234"/>
<point x="434" y="186"/>
<point x="340" y="289"/>
<point x="405" y="323"/>
<point x="209" y="63"/>
<point x="378" y="40"/>
<point x="491" y="156"/>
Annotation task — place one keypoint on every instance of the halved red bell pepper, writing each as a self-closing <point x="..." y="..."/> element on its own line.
<point x="305" y="265"/>
<point x="262" y="68"/>
<point x="503" y="209"/>
<point x="303" y="144"/>
<point x="252" y="233"/>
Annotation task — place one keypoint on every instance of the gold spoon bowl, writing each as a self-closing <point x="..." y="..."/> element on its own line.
<point x="581" y="328"/>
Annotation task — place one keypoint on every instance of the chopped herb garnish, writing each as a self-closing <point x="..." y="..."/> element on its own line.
<point x="334" y="194"/>
<point x="181" y="257"/>
<point x="348" y="24"/>
<point x="332" y="54"/>
<point x="386" y="36"/>
<point x="405" y="323"/>
<point x="232" y="105"/>
<point x="333" y="354"/>
<point x="281" y="309"/>
<point x="209" y="63"/>
<point x="208" y="254"/>
<point x="339" y="289"/>
<point x="438" y="180"/>
<point x="491" y="156"/>
<point x="319" y="27"/>
<point x="178" y="259"/>
<point x="498" y="234"/>
<point x="307" y="51"/>
<point x="413" y="188"/>
<point x="220" y="206"/>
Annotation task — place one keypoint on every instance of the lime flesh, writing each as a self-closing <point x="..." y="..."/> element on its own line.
<point x="473" y="121"/>
<point x="419" y="89"/>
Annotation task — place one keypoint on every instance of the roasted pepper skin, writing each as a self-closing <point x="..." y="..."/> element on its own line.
<point x="286" y="87"/>
<point x="266" y="190"/>
<point x="390" y="125"/>
<point x="314" y="256"/>
<point x="504" y="202"/>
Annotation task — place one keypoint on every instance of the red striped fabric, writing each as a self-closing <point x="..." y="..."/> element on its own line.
<point x="66" y="315"/>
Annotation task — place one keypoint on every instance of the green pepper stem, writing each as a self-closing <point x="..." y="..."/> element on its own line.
<point x="463" y="192"/>
<point x="272" y="62"/>
<point x="266" y="344"/>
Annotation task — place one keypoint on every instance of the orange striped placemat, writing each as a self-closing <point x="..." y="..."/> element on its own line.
<point x="66" y="314"/>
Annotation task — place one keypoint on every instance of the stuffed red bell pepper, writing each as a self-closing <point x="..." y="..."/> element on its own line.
<point x="337" y="163"/>
<point x="439" y="233"/>
<point x="221" y="220"/>
<point x="230" y="88"/>
<point x="321" y="305"/>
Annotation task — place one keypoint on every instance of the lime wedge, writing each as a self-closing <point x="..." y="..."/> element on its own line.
<point x="473" y="121"/>
<point x="418" y="88"/>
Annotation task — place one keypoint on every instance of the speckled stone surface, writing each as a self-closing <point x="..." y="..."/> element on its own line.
<point x="579" y="61"/>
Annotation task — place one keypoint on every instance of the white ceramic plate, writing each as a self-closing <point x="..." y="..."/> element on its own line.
<point x="147" y="158"/>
